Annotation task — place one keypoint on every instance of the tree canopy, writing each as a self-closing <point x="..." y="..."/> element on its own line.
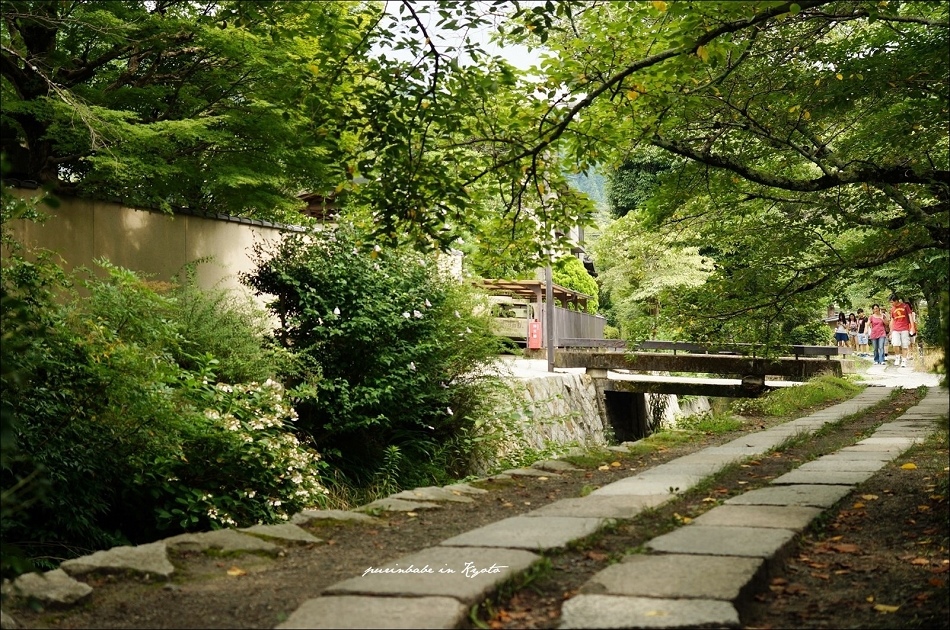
<point x="810" y="138"/>
<point x="230" y="106"/>
<point x="806" y="141"/>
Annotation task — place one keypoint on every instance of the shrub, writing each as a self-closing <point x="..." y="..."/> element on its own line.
<point x="569" y="272"/>
<point x="130" y="444"/>
<point x="231" y="327"/>
<point x="401" y="351"/>
<point x="239" y="462"/>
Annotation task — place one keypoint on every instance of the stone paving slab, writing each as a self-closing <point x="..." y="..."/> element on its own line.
<point x="555" y="465"/>
<point x="813" y="495"/>
<point x="53" y="588"/>
<point x="648" y="485"/>
<point x="150" y="559"/>
<point x="679" y="576"/>
<point x="354" y="611"/>
<point x="308" y="516"/>
<point x="620" y="506"/>
<point x="899" y="442"/>
<point x="225" y="540"/>
<point x="823" y="477"/>
<point x="527" y="472"/>
<point x="398" y="505"/>
<point x="747" y="542"/>
<point x="283" y="531"/>
<point x="890" y="451"/>
<point x="847" y="465"/>
<point x="794" y="517"/>
<point x="611" y="611"/>
<point x="858" y="455"/>
<point x="464" y="488"/>
<point x="528" y="532"/>
<point x="694" y="470"/>
<point x="434" y="494"/>
<point x="476" y="572"/>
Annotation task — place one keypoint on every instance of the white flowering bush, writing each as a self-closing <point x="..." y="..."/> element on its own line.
<point x="241" y="464"/>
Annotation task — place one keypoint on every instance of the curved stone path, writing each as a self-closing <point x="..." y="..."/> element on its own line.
<point x="668" y="588"/>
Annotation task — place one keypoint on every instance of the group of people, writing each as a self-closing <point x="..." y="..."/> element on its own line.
<point x="857" y="331"/>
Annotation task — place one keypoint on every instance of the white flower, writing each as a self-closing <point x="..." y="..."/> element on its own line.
<point x="377" y="248"/>
<point x="412" y="366"/>
<point x="468" y="330"/>
<point x="417" y="314"/>
<point x="406" y="315"/>
<point x="336" y="310"/>
<point x="428" y="304"/>
<point x="320" y="321"/>
<point x="430" y="427"/>
<point x="448" y="410"/>
<point x="457" y="314"/>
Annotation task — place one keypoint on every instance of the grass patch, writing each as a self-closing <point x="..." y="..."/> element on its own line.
<point x="792" y="400"/>
<point x="592" y="458"/>
<point x="710" y="423"/>
<point x="487" y="609"/>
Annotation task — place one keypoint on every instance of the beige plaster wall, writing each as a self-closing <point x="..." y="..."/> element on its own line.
<point x="81" y="230"/>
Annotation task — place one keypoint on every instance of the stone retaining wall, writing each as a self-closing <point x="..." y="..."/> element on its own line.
<point x="558" y="411"/>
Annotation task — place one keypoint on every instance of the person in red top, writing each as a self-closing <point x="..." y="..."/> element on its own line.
<point x="878" y="333"/>
<point x="901" y="315"/>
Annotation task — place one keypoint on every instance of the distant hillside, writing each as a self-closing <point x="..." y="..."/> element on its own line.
<point x="593" y="185"/>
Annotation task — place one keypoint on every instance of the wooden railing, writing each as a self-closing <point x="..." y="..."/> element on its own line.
<point x="676" y="347"/>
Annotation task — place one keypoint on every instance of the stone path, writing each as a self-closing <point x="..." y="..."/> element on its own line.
<point x="669" y="587"/>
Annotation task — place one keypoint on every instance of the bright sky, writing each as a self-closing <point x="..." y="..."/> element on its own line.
<point x="517" y="55"/>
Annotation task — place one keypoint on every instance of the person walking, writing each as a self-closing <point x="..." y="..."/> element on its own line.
<point x="901" y="315"/>
<point x="862" y="333"/>
<point x="852" y="331"/>
<point x="841" y="330"/>
<point x="877" y="331"/>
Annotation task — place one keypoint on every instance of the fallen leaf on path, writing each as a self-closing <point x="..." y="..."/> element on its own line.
<point x="821" y="576"/>
<point x="604" y="467"/>
<point x="846" y="548"/>
<point x="920" y="561"/>
<point x="869" y="497"/>
<point x="615" y="464"/>
<point x="936" y="582"/>
<point x="236" y="571"/>
<point x="858" y="505"/>
<point x="909" y="466"/>
<point x="883" y="608"/>
<point x="597" y="556"/>
<point x="411" y="514"/>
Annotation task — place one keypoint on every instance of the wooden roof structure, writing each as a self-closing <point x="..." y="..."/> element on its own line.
<point x="534" y="290"/>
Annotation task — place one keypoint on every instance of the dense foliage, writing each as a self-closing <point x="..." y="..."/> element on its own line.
<point x="807" y="141"/>
<point x="221" y="105"/>
<point x="401" y="352"/>
<point x="109" y="439"/>
<point x="569" y="272"/>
